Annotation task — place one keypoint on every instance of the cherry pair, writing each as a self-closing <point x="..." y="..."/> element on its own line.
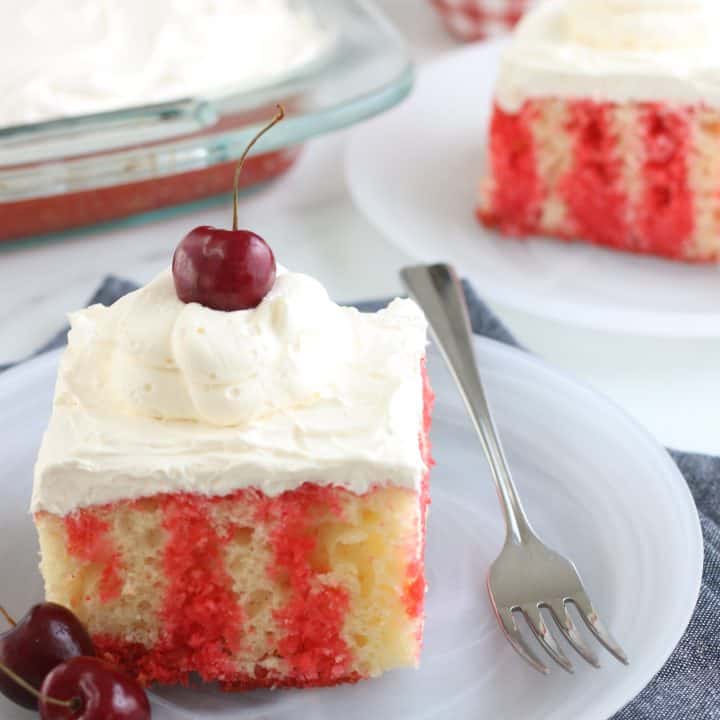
<point x="47" y="662"/>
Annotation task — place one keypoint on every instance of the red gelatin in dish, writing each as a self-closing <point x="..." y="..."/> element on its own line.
<point x="55" y="213"/>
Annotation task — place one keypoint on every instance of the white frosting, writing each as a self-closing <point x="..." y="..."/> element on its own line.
<point x="157" y="396"/>
<point x="82" y="56"/>
<point x="615" y="50"/>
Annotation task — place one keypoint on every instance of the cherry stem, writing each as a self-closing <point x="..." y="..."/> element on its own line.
<point x="74" y="704"/>
<point x="278" y="117"/>
<point x="7" y="616"/>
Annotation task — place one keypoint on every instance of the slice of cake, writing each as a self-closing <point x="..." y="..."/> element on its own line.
<point x="606" y="127"/>
<point x="240" y="494"/>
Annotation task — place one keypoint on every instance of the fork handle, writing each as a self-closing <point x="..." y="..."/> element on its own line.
<point x="439" y="293"/>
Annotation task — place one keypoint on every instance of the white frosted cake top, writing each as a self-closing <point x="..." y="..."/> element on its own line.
<point x="615" y="50"/>
<point x="82" y="56"/>
<point x="156" y="396"/>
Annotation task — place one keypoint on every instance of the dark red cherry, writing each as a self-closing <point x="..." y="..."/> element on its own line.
<point x="226" y="269"/>
<point x="223" y="269"/>
<point x="86" y="688"/>
<point x="48" y="635"/>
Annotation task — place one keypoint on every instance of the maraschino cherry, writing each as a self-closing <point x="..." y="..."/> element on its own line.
<point x="46" y="637"/>
<point x="226" y="269"/>
<point x="86" y="688"/>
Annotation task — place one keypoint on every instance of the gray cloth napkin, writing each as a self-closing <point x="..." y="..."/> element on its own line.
<point x="689" y="684"/>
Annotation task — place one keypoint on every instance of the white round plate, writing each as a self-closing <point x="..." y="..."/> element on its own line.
<point x="596" y="486"/>
<point x="415" y="173"/>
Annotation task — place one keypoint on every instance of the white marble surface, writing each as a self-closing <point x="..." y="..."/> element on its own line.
<point x="670" y="386"/>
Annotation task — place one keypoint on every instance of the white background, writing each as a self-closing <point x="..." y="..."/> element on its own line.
<point x="671" y="386"/>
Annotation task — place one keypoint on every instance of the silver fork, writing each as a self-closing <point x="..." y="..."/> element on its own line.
<point x="528" y="576"/>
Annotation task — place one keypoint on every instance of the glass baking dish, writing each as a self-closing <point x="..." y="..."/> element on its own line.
<point x="79" y="171"/>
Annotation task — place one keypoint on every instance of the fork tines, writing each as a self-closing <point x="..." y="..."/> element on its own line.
<point x="557" y="609"/>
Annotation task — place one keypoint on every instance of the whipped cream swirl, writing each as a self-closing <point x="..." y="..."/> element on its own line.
<point x="154" y="395"/>
<point x="615" y="50"/>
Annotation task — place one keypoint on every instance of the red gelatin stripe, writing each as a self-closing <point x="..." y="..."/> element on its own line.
<point x="201" y="615"/>
<point x="517" y="192"/>
<point x="314" y="617"/>
<point x="593" y="190"/>
<point x="88" y="538"/>
<point x="667" y="212"/>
